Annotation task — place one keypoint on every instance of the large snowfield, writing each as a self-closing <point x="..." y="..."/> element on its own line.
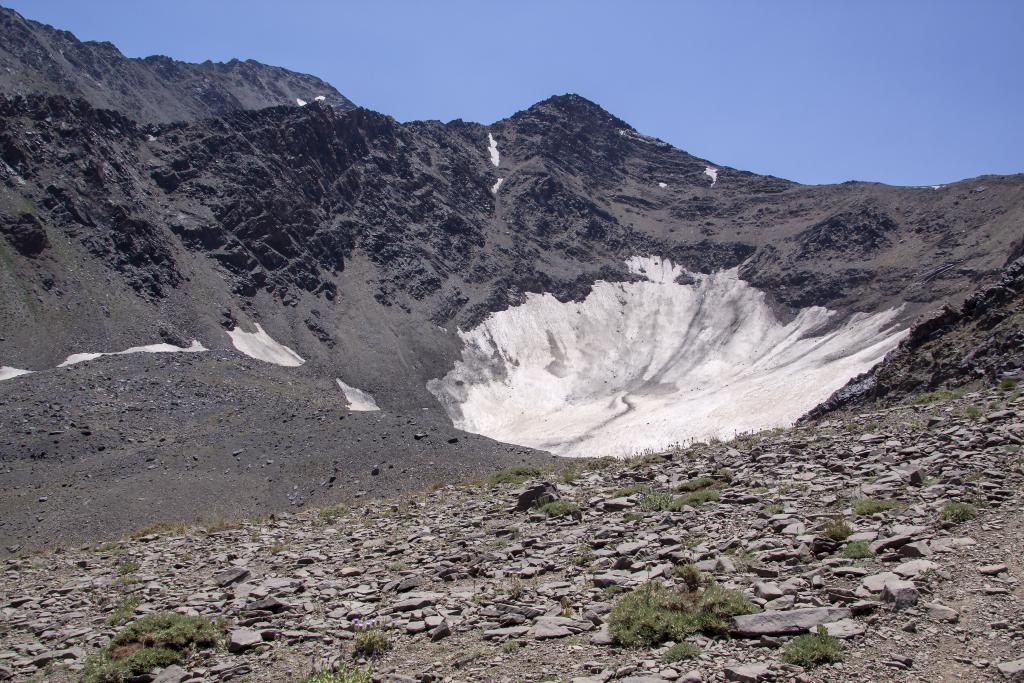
<point x="649" y="364"/>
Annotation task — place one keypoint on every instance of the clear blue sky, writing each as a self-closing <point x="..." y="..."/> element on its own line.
<point x="909" y="92"/>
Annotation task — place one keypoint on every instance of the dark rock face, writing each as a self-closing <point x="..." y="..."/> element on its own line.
<point x="335" y="213"/>
<point x="981" y="340"/>
<point x="26" y="233"/>
<point x="36" y="58"/>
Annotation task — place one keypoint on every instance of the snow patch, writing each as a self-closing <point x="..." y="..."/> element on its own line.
<point x="261" y="346"/>
<point x="358" y="400"/>
<point x="662" y="185"/>
<point x="711" y="173"/>
<point x="75" y="358"/>
<point x="492" y="148"/>
<point x="7" y="372"/>
<point x="301" y="102"/>
<point x="649" y="364"/>
<point x="319" y="98"/>
<point x="496" y="185"/>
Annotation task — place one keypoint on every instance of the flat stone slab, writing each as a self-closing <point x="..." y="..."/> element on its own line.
<point x="786" y="622"/>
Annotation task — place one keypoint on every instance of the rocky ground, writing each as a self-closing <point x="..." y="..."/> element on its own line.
<point x="95" y="450"/>
<point x="850" y="522"/>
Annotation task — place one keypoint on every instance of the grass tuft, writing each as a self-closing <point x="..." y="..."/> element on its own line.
<point x="517" y="474"/>
<point x="371" y="643"/>
<point x="858" y="550"/>
<point x="863" y="507"/>
<point x="680" y="652"/>
<point x="959" y="512"/>
<point x="558" y="508"/>
<point x="654" y="614"/>
<point x="813" y="649"/>
<point x="343" y="674"/>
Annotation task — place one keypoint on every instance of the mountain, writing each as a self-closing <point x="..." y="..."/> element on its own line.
<point x="36" y="58"/>
<point x="379" y="304"/>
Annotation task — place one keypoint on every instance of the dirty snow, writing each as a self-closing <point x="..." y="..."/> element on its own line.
<point x="492" y="148"/>
<point x="261" y="346"/>
<point x="711" y="173"/>
<point x="496" y="185"/>
<point x="301" y="102"/>
<point x="358" y="400"/>
<point x="75" y="358"/>
<point x="7" y="372"/>
<point x="649" y="364"/>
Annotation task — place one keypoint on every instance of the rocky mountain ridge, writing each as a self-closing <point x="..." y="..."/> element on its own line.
<point x="36" y="58"/>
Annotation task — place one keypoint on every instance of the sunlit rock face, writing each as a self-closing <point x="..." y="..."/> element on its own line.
<point x="641" y="365"/>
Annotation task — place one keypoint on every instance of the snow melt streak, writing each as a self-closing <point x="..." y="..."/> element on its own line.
<point x="7" y="372"/>
<point x="649" y="364"/>
<point x="260" y="346"/>
<point x="492" y="148"/>
<point x="194" y="347"/>
<point x="357" y="398"/>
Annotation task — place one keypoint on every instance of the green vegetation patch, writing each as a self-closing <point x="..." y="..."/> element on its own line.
<point x="813" y="649"/>
<point x="154" y="641"/>
<point x="680" y="652"/>
<point x="959" y="512"/>
<point x="371" y="643"/>
<point x="516" y="474"/>
<point x="344" y="674"/>
<point x="863" y="507"/>
<point x="558" y="508"/>
<point x="937" y="396"/>
<point x="654" y="614"/>
<point x="858" y="550"/>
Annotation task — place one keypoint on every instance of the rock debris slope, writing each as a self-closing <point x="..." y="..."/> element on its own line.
<point x="899" y="531"/>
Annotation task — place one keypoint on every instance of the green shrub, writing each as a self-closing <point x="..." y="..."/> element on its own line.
<point x="696" y="499"/>
<point x="774" y="508"/>
<point x="340" y="675"/>
<point x="653" y="614"/>
<point x="862" y="507"/>
<point x="973" y="412"/>
<point x="632" y="517"/>
<point x="681" y="652"/>
<point x="696" y="484"/>
<point x="959" y="512"/>
<point x="151" y="642"/>
<point x="858" y="550"/>
<point x="124" y="610"/>
<point x="558" y="508"/>
<point x="725" y="474"/>
<point x="168" y="629"/>
<point x="104" y="668"/>
<point x="371" y="643"/>
<point x="837" y="529"/>
<point x="516" y="474"/>
<point x="1008" y="384"/>
<point x="940" y="395"/>
<point x="813" y="649"/>
<point x="126" y="568"/>
<point x="689" y="575"/>
<point x="632" y="490"/>
<point x="656" y="501"/>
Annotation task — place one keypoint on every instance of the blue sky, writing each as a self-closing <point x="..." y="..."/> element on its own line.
<point x="909" y="92"/>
